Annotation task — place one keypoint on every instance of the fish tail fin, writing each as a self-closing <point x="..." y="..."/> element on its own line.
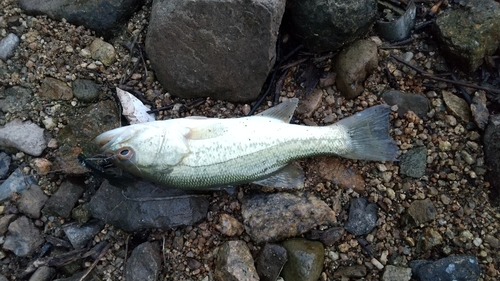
<point x="368" y="131"/>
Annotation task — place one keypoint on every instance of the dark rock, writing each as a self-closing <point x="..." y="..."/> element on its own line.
<point x="354" y="271"/>
<point x="8" y="45"/>
<point x="81" y="213"/>
<point x="43" y="273"/>
<point x="353" y="64"/>
<point x="464" y="268"/>
<point x="23" y="238"/>
<point x="85" y="90"/>
<point x="4" y="164"/>
<point x="396" y="273"/>
<point x="407" y="102"/>
<point x="270" y="261"/>
<point x="64" y="199"/>
<point x="469" y="32"/>
<point x="234" y="262"/>
<point x="413" y="162"/>
<point x="328" y="237"/>
<point x="492" y="155"/>
<point x="305" y="260"/>
<point x="221" y="49"/>
<point x="76" y="137"/>
<point x="144" y="205"/>
<point x="16" y="182"/>
<point x="144" y="263"/>
<point x="106" y="18"/>
<point x="25" y="136"/>
<point x="5" y="220"/>
<point x="80" y="235"/>
<point x="16" y="99"/>
<point x="329" y="25"/>
<point x="55" y="89"/>
<point x="32" y="201"/>
<point x="420" y="211"/>
<point x="479" y="111"/>
<point x="273" y="217"/>
<point x="362" y="217"/>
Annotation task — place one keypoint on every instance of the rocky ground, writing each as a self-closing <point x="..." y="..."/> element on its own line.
<point x="432" y="204"/>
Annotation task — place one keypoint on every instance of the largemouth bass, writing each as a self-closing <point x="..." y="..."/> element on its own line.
<point x="207" y="153"/>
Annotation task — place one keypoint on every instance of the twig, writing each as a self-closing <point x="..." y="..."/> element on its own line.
<point x="106" y="248"/>
<point x="433" y="77"/>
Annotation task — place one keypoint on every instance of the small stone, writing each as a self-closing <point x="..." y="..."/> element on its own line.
<point x="23" y="238"/>
<point x="144" y="263"/>
<point x="396" y="273"/>
<point x="85" y="90"/>
<point x="103" y="52"/>
<point x="16" y="182"/>
<point x="305" y="260"/>
<point x="5" y="220"/>
<point x="8" y="45"/>
<point x="308" y="105"/>
<point x="413" y="162"/>
<point x="407" y="102"/>
<point x="80" y="235"/>
<point x="31" y="201"/>
<point x="328" y="237"/>
<point x="362" y="217"/>
<point x="4" y="164"/>
<point x="229" y="226"/>
<point x="354" y="271"/>
<point x="420" y="211"/>
<point x="25" y="136"/>
<point x="41" y="165"/>
<point x="234" y="262"/>
<point x="64" y="199"/>
<point x="457" y="106"/>
<point x="43" y="273"/>
<point x="479" y="111"/>
<point x="270" y="261"/>
<point x="55" y="89"/>
<point x="332" y="169"/>
<point x="430" y="239"/>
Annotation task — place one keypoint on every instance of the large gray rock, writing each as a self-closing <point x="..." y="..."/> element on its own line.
<point x="328" y="25"/>
<point x="143" y="205"/>
<point x="105" y="17"/>
<point x="222" y="49"/>
<point x="26" y="136"/>
<point x="469" y="32"/>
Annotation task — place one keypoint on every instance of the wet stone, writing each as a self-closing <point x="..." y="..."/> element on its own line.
<point x="305" y="260"/>
<point x="85" y="90"/>
<point x="353" y="64"/>
<point x="80" y="235"/>
<point x="457" y="106"/>
<point x="43" y="273"/>
<point x="407" y="102"/>
<point x="270" y="261"/>
<point x="229" y="226"/>
<point x="234" y="262"/>
<point x="396" y="273"/>
<point x="464" y="268"/>
<point x="413" y="162"/>
<point x="103" y="52"/>
<point x="354" y="271"/>
<point x="55" y="89"/>
<point x="131" y="207"/>
<point x="16" y="182"/>
<point x="24" y="136"/>
<point x="8" y="45"/>
<point x="362" y="217"/>
<point x="31" y="201"/>
<point x="420" y="211"/>
<point x="4" y="164"/>
<point x="64" y="199"/>
<point x="16" y="99"/>
<point x="23" y="238"/>
<point x="328" y="237"/>
<point x="144" y="263"/>
<point x="264" y="215"/>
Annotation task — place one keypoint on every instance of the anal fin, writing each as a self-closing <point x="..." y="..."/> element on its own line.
<point x="289" y="177"/>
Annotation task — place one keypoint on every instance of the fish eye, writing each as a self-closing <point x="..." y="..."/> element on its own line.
<point x="125" y="153"/>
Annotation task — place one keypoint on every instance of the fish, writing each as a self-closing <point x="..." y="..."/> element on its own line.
<point x="201" y="153"/>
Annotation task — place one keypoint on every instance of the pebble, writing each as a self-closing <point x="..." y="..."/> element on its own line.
<point x="270" y="261"/>
<point x="457" y="106"/>
<point x="42" y="166"/>
<point x="353" y="271"/>
<point x="85" y="90"/>
<point x="229" y="226"/>
<point x="362" y="217"/>
<point x="79" y="235"/>
<point x="103" y="52"/>
<point x="25" y="136"/>
<point x="8" y="45"/>
<point x="55" y="89"/>
<point x="43" y="273"/>
<point x="307" y="106"/>
<point x="234" y="262"/>
<point x="64" y="199"/>
<point x="305" y="260"/>
<point x="396" y="273"/>
<point x="23" y="238"/>
<point x="419" y="104"/>
<point x="5" y="220"/>
<point x="414" y="162"/>
<point x="31" y="201"/>
<point x="263" y="215"/>
<point x="144" y="263"/>
<point x="329" y="237"/>
<point x="332" y="169"/>
<point x="16" y="182"/>
<point x="420" y="211"/>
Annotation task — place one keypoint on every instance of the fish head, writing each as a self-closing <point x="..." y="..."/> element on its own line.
<point x="132" y="148"/>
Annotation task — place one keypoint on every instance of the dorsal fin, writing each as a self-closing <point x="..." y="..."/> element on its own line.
<point x="283" y="111"/>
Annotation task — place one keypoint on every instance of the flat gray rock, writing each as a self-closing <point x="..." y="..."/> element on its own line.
<point x="8" y="45"/>
<point x="407" y="101"/>
<point x="80" y="235"/>
<point x="24" y="136"/>
<point x="221" y="49"/>
<point x="31" y="201"/>
<point x="143" y="205"/>
<point x="64" y="199"/>
<point x="16" y="182"/>
<point x="23" y="238"/>
<point x="362" y="217"/>
<point x="15" y="99"/>
<point x="144" y="263"/>
<point x="413" y="162"/>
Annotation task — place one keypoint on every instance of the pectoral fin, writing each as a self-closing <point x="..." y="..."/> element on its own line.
<point x="283" y="111"/>
<point x="289" y="177"/>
